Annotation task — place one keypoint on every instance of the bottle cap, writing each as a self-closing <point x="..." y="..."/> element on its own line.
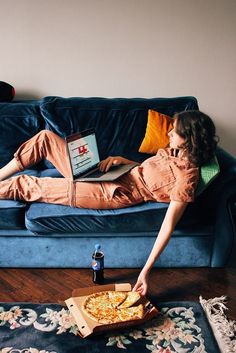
<point x="97" y="247"/>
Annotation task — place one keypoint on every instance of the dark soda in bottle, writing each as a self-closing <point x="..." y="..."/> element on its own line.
<point x="98" y="265"/>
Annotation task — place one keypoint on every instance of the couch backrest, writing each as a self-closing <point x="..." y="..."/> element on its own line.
<point x="18" y="122"/>
<point x="120" y="123"/>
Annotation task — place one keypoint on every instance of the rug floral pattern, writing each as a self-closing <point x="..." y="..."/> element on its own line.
<point x="175" y="330"/>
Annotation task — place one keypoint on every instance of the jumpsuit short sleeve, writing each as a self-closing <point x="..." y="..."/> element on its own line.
<point x="185" y="186"/>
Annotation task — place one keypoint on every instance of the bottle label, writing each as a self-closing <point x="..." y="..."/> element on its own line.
<point x="97" y="264"/>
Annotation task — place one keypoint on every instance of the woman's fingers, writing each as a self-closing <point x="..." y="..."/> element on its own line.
<point x="102" y="165"/>
<point x="140" y="287"/>
<point x="107" y="163"/>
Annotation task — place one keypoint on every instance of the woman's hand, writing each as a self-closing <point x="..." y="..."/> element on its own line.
<point x="107" y="163"/>
<point x="141" y="285"/>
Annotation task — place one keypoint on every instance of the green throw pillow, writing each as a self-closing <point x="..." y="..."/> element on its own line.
<point x="208" y="172"/>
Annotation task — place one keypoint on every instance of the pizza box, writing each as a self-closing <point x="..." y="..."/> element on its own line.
<point x="87" y="326"/>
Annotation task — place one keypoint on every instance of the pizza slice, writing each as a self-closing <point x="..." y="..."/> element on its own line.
<point x="116" y="297"/>
<point x="99" y="300"/>
<point x="132" y="298"/>
<point x="133" y="313"/>
<point x="108" y="316"/>
<point x="103" y="315"/>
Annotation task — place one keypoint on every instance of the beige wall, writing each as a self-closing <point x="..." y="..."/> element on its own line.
<point x="124" y="48"/>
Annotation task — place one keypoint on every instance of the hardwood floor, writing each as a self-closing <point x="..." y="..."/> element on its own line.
<point x="55" y="285"/>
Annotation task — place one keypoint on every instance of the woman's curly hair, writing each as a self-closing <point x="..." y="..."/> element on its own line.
<point x="199" y="132"/>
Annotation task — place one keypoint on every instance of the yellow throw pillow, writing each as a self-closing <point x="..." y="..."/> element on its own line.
<point x="156" y="135"/>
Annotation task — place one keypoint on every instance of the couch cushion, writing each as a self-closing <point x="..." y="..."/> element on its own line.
<point x="120" y="123"/>
<point x="12" y="214"/>
<point x="42" y="218"/>
<point x="19" y="121"/>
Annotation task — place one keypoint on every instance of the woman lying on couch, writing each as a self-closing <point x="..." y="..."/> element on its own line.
<point x="170" y="176"/>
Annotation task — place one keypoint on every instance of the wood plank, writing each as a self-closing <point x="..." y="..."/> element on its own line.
<point x="56" y="285"/>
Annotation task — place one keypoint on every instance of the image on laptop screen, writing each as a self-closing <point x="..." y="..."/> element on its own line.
<point x="83" y="152"/>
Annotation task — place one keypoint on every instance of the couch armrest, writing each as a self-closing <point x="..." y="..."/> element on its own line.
<point x="224" y="231"/>
<point x="216" y="203"/>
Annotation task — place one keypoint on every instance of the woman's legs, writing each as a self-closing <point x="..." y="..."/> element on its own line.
<point x="29" y="188"/>
<point x="61" y="191"/>
<point x="64" y="191"/>
<point x="9" y="169"/>
<point x="45" y="144"/>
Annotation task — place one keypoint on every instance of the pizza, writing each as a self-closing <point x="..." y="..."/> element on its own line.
<point x="116" y="298"/>
<point x="132" y="298"/>
<point x="132" y="313"/>
<point x="98" y="308"/>
<point x="110" y="307"/>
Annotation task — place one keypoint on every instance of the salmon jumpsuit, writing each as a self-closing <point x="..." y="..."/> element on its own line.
<point x="162" y="178"/>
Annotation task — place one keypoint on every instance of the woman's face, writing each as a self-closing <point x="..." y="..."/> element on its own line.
<point x="176" y="141"/>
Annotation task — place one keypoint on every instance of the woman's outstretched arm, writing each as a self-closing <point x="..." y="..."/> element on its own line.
<point x="173" y="215"/>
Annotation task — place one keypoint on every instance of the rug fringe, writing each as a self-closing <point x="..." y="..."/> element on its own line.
<point x="224" y="329"/>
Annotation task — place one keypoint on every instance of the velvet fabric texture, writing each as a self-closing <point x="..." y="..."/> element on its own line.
<point x="119" y="124"/>
<point x="45" y="235"/>
<point x="122" y="250"/>
<point x="18" y="122"/>
<point x="146" y="217"/>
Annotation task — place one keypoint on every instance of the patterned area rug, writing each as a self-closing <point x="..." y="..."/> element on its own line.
<point x="182" y="327"/>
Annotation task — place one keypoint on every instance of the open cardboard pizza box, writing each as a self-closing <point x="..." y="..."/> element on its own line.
<point x="87" y="326"/>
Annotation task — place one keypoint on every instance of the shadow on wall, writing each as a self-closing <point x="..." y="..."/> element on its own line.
<point x="227" y="138"/>
<point x="27" y="95"/>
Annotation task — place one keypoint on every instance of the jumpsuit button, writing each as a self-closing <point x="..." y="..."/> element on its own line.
<point x="162" y="196"/>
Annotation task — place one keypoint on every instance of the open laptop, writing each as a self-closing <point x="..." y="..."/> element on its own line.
<point x="84" y="158"/>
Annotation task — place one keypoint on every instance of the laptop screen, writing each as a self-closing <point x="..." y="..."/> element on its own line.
<point x="83" y="151"/>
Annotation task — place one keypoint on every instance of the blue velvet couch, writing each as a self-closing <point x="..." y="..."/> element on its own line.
<point x="44" y="235"/>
